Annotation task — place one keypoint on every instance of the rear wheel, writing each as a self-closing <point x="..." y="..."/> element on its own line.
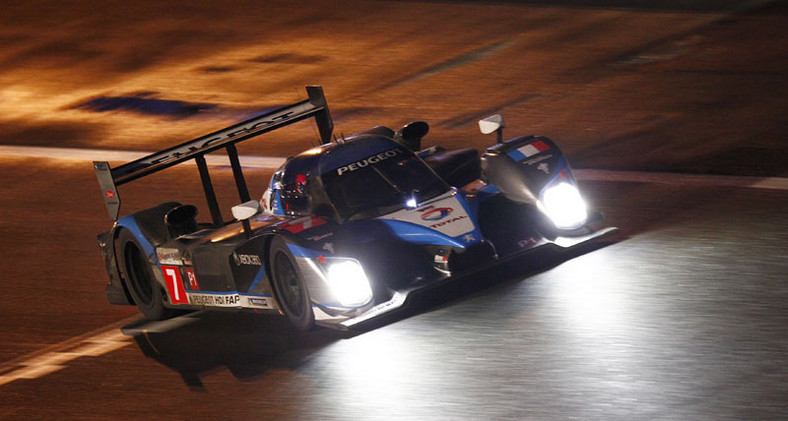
<point x="140" y="280"/>
<point x="289" y="286"/>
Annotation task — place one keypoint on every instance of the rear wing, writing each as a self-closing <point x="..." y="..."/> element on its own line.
<point x="110" y="178"/>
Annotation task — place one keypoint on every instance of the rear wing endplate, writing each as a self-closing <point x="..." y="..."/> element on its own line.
<point x="110" y="178"/>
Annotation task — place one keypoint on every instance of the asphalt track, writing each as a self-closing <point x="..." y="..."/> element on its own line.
<point x="682" y="316"/>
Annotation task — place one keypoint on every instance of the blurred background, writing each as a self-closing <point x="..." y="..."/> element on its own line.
<point x="672" y="113"/>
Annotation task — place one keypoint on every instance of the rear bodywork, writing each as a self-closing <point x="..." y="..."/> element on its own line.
<point x="398" y="218"/>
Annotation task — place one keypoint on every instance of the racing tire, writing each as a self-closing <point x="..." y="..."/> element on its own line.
<point x="140" y="281"/>
<point x="289" y="286"/>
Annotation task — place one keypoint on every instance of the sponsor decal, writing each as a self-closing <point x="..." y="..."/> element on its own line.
<point x="543" y="167"/>
<point x="258" y="302"/>
<point x="396" y="301"/>
<point x="528" y="242"/>
<point x="374" y="159"/>
<point x="192" y="279"/>
<point x="469" y="238"/>
<point x="172" y="277"/>
<point x="247" y="259"/>
<point x="169" y="256"/>
<point x="215" y="300"/>
<point x="321" y="237"/>
<point x="449" y="221"/>
<point x="219" y="138"/>
<point x="329" y="247"/>
<point x="445" y="214"/>
<point x="538" y="159"/>
<point x="532" y="149"/>
<point x="435" y="214"/>
<point x="110" y="194"/>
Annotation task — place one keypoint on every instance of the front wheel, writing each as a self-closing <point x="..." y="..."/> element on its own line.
<point x="289" y="286"/>
<point x="140" y="280"/>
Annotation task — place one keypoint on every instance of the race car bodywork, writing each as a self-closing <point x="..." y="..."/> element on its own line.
<point x="347" y="230"/>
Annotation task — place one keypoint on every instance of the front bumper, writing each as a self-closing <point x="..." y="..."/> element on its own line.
<point x="400" y="298"/>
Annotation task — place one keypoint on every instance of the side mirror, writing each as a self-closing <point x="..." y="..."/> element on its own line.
<point x="244" y="211"/>
<point x="493" y="123"/>
<point x="410" y="135"/>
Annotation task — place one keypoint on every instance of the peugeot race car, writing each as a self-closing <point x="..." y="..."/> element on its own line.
<point x="346" y="231"/>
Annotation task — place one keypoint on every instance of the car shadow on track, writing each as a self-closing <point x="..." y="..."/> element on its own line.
<point x="249" y="345"/>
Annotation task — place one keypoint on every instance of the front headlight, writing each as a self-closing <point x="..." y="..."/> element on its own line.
<point x="349" y="283"/>
<point x="564" y="206"/>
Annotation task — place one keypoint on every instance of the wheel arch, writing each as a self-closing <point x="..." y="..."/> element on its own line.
<point x="298" y="321"/>
<point x="148" y="227"/>
<point x="114" y="248"/>
<point x="269" y="239"/>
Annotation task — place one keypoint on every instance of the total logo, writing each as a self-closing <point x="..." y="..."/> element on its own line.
<point x="435" y="214"/>
<point x="446" y="215"/>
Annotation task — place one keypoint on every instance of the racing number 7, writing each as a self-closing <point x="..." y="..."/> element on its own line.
<point x="172" y="277"/>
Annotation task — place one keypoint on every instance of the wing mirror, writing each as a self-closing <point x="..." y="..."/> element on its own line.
<point x="410" y="135"/>
<point x="244" y="211"/>
<point x="493" y="123"/>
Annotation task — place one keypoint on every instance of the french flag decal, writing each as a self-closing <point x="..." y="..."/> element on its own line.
<point x="529" y="150"/>
<point x="532" y="149"/>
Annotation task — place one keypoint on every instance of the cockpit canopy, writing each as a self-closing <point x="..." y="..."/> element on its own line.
<point x="364" y="177"/>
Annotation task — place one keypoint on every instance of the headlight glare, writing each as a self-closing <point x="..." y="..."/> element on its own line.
<point x="564" y="206"/>
<point x="349" y="283"/>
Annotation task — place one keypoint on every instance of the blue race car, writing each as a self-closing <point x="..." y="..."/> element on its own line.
<point x="346" y="231"/>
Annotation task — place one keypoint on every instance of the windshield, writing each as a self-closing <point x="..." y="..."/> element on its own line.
<point x="381" y="184"/>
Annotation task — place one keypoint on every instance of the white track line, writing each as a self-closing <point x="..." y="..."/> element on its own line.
<point x="92" y="344"/>
<point x="55" y="357"/>
<point x="776" y="183"/>
<point x="272" y="163"/>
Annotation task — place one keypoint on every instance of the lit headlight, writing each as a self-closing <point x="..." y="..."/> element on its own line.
<point x="564" y="206"/>
<point x="349" y="283"/>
